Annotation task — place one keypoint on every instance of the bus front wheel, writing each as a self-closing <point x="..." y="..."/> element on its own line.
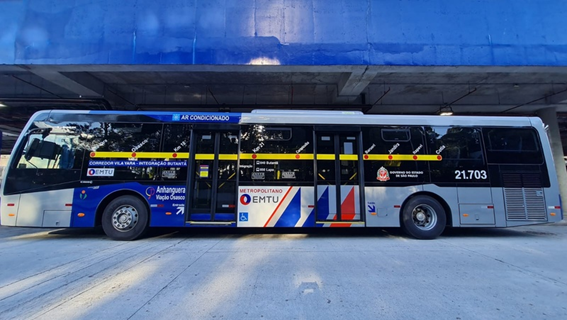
<point x="125" y="218"/>
<point x="423" y="217"/>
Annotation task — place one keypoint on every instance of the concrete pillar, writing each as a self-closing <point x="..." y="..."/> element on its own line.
<point x="549" y="117"/>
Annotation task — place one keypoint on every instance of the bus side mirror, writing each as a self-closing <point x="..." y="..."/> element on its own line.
<point x="42" y="149"/>
<point x="32" y="149"/>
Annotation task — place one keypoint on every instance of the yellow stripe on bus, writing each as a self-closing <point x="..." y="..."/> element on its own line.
<point x="352" y="157"/>
<point x="140" y="155"/>
<point x="227" y="157"/>
<point x="325" y="157"/>
<point x="204" y="156"/>
<point x="263" y="156"/>
<point x="161" y="155"/>
<point x="402" y="157"/>
<point x="276" y="156"/>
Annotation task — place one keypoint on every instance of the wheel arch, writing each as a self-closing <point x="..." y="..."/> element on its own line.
<point x="118" y="193"/>
<point x="442" y="202"/>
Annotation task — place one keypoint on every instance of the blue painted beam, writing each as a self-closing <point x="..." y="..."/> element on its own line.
<point x="285" y="32"/>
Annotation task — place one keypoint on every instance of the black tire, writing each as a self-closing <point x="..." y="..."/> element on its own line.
<point x="423" y="218"/>
<point x="125" y="218"/>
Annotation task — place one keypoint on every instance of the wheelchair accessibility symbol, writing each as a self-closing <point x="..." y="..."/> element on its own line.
<point x="243" y="216"/>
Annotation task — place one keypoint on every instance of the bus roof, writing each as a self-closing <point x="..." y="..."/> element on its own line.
<point x="311" y="117"/>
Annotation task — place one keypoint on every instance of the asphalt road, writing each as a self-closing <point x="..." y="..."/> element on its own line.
<point x="518" y="273"/>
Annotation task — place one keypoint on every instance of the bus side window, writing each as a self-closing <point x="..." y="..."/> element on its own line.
<point x="460" y="148"/>
<point x="394" y="140"/>
<point x="49" y="157"/>
<point x="52" y="151"/>
<point x="176" y="138"/>
<point x="512" y="146"/>
<point x="456" y="144"/>
<point x="116" y="138"/>
<point x="273" y="143"/>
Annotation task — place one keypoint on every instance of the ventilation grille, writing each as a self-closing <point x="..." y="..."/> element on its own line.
<point x="523" y="194"/>
<point x="515" y="206"/>
<point x="535" y="204"/>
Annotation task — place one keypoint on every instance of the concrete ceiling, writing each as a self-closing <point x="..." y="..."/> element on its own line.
<point x="373" y="89"/>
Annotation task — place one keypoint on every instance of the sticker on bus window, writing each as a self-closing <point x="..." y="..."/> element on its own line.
<point x="169" y="174"/>
<point x="258" y="176"/>
<point x="382" y="174"/>
<point x="203" y="171"/>
<point x="288" y="174"/>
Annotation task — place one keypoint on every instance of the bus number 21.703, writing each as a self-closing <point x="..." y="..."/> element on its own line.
<point x="470" y="175"/>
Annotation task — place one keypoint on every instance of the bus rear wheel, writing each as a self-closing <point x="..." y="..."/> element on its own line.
<point x="423" y="218"/>
<point x="125" y="218"/>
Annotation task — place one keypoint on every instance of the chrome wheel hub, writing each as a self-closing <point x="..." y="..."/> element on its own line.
<point x="424" y="217"/>
<point x="124" y="218"/>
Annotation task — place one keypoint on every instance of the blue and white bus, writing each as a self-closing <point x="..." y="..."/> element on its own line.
<point x="129" y="171"/>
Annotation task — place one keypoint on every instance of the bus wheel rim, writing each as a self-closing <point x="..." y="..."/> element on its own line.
<point x="124" y="218"/>
<point x="424" y="217"/>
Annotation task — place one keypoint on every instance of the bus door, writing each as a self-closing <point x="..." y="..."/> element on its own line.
<point x="212" y="176"/>
<point x="338" y="180"/>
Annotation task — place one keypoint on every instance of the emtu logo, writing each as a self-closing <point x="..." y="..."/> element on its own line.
<point x="245" y="199"/>
<point x="91" y="172"/>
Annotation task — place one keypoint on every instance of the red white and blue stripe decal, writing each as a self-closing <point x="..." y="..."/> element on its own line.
<point x="294" y="207"/>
